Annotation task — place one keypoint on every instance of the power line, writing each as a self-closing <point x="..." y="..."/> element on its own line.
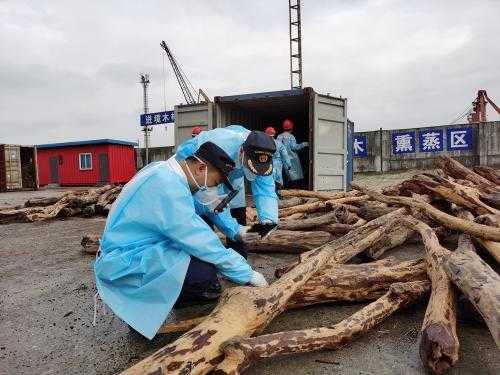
<point x="462" y="114"/>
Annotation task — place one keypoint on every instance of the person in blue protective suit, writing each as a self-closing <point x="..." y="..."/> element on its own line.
<point x="294" y="174"/>
<point x="280" y="159"/>
<point x="156" y="251"/>
<point x="252" y="153"/>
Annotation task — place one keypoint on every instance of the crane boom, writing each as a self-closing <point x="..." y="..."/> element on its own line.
<point x="179" y="74"/>
<point x="495" y="107"/>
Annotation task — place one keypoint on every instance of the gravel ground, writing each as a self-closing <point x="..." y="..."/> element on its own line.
<point x="46" y="312"/>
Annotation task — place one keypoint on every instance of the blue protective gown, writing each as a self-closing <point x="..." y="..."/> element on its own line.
<point x="291" y="145"/>
<point x="151" y="232"/>
<point x="230" y="139"/>
<point x="280" y="159"/>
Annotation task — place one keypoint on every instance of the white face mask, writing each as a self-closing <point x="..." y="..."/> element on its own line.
<point x="207" y="196"/>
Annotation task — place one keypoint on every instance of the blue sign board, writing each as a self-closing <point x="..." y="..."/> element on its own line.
<point x="459" y="139"/>
<point x="359" y="145"/>
<point x="431" y="140"/>
<point x="403" y="142"/>
<point x="157" y="118"/>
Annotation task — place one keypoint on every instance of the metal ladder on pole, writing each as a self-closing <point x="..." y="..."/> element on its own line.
<point x="295" y="44"/>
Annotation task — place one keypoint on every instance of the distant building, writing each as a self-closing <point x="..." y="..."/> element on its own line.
<point x="86" y="163"/>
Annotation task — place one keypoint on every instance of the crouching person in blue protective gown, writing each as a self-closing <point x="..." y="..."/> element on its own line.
<point x="156" y="251"/>
<point x="252" y="153"/>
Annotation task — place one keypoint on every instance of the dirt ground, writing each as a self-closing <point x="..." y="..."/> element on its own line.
<point x="47" y="307"/>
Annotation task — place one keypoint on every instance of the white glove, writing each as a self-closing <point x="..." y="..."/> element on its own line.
<point x="305" y="144"/>
<point x="245" y="236"/>
<point x="258" y="279"/>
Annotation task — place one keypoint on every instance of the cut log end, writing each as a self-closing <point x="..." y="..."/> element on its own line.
<point x="438" y="349"/>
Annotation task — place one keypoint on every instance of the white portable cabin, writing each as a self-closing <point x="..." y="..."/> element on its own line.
<point x="319" y="119"/>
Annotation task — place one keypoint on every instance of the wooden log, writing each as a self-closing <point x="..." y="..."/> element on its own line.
<point x="317" y="194"/>
<point x="478" y="281"/>
<point x="371" y="210"/>
<point x="89" y="211"/>
<point x="491" y="247"/>
<point x="241" y="352"/>
<point x="309" y="223"/>
<point x="396" y="235"/>
<point x="290" y="202"/>
<point x="491" y="174"/>
<point x="491" y="198"/>
<point x="303" y="208"/>
<point x="288" y="241"/>
<point x="336" y="228"/>
<point x="455" y="169"/>
<point x="439" y="345"/>
<point x="449" y="221"/>
<point x="298" y="215"/>
<point x="356" y="282"/>
<point x="41" y="202"/>
<point x="70" y="211"/>
<point x="242" y="311"/>
<point x="90" y="243"/>
<point x="463" y="196"/>
<point x="491" y="220"/>
<point x="106" y="198"/>
<point x="335" y="283"/>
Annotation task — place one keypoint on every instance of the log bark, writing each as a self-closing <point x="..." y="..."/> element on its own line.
<point x="298" y="215"/>
<point x="287" y="241"/>
<point x="309" y="223"/>
<point x="463" y="196"/>
<point x="491" y="247"/>
<point x="478" y="281"/>
<point x="90" y="243"/>
<point x="371" y="210"/>
<point x="41" y="202"/>
<point x="242" y="311"/>
<point x="356" y="282"/>
<point x="106" y="198"/>
<point x="335" y="283"/>
<point x="449" y="221"/>
<point x="439" y="345"/>
<point x="89" y="211"/>
<point x="290" y="202"/>
<point x="303" y="208"/>
<point x="396" y="235"/>
<point x="491" y="174"/>
<point x="455" y="169"/>
<point x="241" y="352"/>
<point x="317" y="194"/>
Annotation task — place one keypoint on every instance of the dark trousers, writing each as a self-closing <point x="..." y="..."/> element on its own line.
<point x="200" y="284"/>
<point x="240" y="214"/>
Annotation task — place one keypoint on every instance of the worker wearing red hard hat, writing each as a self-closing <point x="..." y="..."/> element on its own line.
<point x="196" y="130"/>
<point x="295" y="173"/>
<point x="280" y="158"/>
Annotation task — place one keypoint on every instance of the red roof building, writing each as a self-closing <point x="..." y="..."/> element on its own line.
<point x="86" y="163"/>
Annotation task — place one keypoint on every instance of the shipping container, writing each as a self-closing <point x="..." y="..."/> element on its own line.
<point x="319" y="119"/>
<point x="17" y="167"/>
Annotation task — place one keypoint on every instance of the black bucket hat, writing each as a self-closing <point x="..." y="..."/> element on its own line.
<point x="259" y="149"/>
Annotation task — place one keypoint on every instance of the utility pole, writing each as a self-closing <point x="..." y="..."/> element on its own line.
<point x="146" y="129"/>
<point x="295" y="44"/>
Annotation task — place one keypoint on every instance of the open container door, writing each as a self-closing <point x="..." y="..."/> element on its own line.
<point x="329" y="142"/>
<point x="187" y="116"/>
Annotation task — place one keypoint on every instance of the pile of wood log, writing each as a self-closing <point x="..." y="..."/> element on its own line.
<point x="85" y="203"/>
<point x="328" y="230"/>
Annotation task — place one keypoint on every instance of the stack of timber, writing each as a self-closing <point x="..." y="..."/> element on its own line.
<point x="86" y="203"/>
<point x="326" y="231"/>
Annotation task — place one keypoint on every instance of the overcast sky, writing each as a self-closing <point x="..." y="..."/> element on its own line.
<point x="70" y="70"/>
